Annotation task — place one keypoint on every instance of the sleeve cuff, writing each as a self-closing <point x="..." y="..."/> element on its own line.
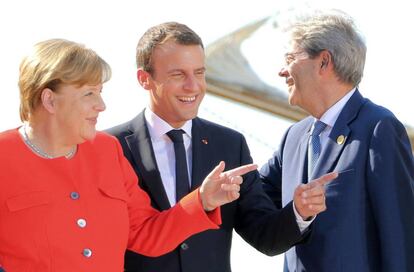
<point x="302" y="224"/>
<point x="191" y="203"/>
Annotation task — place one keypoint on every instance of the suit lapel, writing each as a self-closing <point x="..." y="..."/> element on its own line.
<point x="331" y="152"/>
<point x="303" y="154"/>
<point x="202" y="153"/>
<point x="295" y="162"/>
<point x="341" y="129"/>
<point x="142" y="151"/>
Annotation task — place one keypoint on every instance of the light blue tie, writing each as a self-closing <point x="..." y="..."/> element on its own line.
<point x="314" y="149"/>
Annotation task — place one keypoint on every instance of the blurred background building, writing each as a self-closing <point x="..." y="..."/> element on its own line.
<point x="230" y="75"/>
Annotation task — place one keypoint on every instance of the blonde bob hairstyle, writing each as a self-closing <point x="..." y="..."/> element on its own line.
<point x="56" y="62"/>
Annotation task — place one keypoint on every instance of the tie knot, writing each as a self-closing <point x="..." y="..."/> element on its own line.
<point x="318" y="127"/>
<point x="176" y="135"/>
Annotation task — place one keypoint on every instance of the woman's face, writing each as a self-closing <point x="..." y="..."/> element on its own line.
<point x="77" y="110"/>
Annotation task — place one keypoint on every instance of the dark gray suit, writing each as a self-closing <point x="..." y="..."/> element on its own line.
<point x="253" y="215"/>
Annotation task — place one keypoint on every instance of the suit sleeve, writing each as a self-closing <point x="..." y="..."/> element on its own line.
<point x="390" y="179"/>
<point x="271" y="175"/>
<point x="154" y="233"/>
<point x="270" y="230"/>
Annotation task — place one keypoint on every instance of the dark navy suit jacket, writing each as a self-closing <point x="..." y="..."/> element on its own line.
<point x="369" y="222"/>
<point x="253" y="215"/>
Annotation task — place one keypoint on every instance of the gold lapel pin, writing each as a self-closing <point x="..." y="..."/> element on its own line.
<point x="204" y="141"/>
<point x="340" y="140"/>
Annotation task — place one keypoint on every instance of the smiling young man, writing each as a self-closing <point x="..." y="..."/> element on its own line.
<point x="170" y="60"/>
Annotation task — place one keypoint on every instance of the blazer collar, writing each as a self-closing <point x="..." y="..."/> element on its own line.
<point x="203" y="153"/>
<point x="339" y="135"/>
<point x="139" y="143"/>
<point x="157" y="127"/>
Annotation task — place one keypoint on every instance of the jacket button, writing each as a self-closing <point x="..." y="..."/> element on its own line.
<point x="81" y="222"/>
<point x="74" y="195"/>
<point x="87" y="252"/>
<point x="184" y="246"/>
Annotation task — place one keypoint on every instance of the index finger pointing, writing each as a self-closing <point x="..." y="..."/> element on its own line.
<point x="325" y="178"/>
<point x="241" y="170"/>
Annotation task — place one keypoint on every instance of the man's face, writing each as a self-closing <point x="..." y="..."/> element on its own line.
<point x="300" y="74"/>
<point x="178" y="82"/>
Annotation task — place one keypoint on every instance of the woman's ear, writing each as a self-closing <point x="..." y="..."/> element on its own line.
<point x="47" y="99"/>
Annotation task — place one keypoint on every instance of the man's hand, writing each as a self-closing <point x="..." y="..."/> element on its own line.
<point x="220" y="187"/>
<point x="309" y="198"/>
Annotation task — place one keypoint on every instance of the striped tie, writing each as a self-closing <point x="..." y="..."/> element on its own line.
<point x="314" y="146"/>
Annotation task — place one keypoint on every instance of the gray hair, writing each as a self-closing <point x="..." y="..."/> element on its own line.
<point x="334" y="31"/>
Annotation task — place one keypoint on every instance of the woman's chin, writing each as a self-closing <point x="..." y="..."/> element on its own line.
<point x="90" y="136"/>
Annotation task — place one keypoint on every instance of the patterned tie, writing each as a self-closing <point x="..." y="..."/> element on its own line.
<point x="182" y="187"/>
<point x="314" y="149"/>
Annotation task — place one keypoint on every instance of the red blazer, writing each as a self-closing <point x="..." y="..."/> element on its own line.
<point x="81" y="214"/>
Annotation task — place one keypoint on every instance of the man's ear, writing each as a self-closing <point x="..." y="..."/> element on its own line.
<point x="144" y="79"/>
<point x="47" y="99"/>
<point x="325" y="58"/>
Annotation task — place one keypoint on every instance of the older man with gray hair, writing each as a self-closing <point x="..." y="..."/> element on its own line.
<point x="369" y="224"/>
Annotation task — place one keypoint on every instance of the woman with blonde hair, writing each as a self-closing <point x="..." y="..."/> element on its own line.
<point x="68" y="197"/>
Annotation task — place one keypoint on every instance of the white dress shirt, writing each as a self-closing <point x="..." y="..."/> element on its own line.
<point x="164" y="150"/>
<point x="330" y="117"/>
<point x="165" y="156"/>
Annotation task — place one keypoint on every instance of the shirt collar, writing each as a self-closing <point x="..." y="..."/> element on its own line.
<point x="332" y="114"/>
<point x="157" y="127"/>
